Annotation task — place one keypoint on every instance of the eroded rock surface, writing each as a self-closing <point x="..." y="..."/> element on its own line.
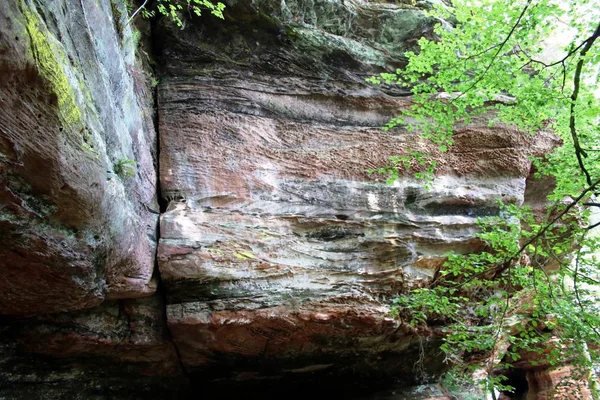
<point x="77" y="235"/>
<point x="546" y="380"/>
<point x="279" y="255"/>
<point x="276" y="248"/>
<point x="75" y="107"/>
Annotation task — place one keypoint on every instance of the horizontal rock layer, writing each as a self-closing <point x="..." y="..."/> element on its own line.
<point x="279" y="254"/>
<point x="119" y="350"/>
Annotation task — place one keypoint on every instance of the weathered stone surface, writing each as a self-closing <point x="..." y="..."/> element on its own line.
<point x="278" y="253"/>
<point x="119" y="347"/>
<point x="121" y="330"/>
<point x="546" y="380"/>
<point x="563" y="382"/>
<point x="75" y="103"/>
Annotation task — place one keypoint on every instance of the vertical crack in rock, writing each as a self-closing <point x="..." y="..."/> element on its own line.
<point x="161" y="289"/>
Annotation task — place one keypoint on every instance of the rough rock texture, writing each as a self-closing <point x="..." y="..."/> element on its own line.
<point x="119" y="349"/>
<point x="77" y="236"/>
<point x="278" y="253"/>
<point x="556" y="383"/>
<point x="546" y="381"/>
<point x="75" y="105"/>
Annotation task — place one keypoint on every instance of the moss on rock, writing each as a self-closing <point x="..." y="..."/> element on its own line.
<point x="48" y="60"/>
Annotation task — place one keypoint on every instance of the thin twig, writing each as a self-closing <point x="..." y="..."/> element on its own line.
<point x="502" y="44"/>
<point x="136" y="11"/>
<point x="561" y="61"/>
<point x="597" y="224"/>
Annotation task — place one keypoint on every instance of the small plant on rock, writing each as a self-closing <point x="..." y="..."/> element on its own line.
<point x="124" y="168"/>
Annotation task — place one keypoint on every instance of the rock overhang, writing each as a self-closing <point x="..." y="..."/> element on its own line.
<point x="276" y="246"/>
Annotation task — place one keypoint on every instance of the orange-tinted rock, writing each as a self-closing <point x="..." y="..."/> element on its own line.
<point x="564" y="382"/>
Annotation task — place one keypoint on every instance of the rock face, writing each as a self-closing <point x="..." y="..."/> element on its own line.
<point x="556" y="383"/>
<point x="120" y="349"/>
<point x="546" y="381"/>
<point x="276" y="247"/>
<point x="74" y="109"/>
<point x="278" y="254"/>
<point x="77" y="234"/>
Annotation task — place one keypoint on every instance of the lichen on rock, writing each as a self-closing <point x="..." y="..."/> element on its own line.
<point x="50" y="59"/>
<point x="73" y="105"/>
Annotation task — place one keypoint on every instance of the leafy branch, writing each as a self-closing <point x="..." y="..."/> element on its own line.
<point x="172" y="8"/>
<point x="140" y="8"/>
<point x="512" y="278"/>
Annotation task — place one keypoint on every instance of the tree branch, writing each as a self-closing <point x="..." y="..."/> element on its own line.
<point x="501" y="46"/>
<point x="579" y="152"/>
<point x="507" y="263"/>
<point x="136" y="11"/>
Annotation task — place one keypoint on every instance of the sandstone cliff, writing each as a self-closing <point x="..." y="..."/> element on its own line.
<point x="277" y="254"/>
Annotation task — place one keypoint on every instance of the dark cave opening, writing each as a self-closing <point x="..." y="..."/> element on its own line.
<point x="517" y="378"/>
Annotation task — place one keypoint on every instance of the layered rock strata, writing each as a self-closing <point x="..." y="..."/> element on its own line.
<point x="120" y="350"/>
<point x="279" y="255"/>
<point x="277" y="249"/>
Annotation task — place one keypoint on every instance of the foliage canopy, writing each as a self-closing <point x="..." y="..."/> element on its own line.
<point x="536" y="286"/>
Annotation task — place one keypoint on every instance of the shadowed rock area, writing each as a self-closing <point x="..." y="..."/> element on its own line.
<point x="278" y="255"/>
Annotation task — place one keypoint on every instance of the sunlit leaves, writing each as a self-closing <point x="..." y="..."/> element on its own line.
<point x="174" y="9"/>
<point x="484" y="63"/>
<point x="507" y="293"/>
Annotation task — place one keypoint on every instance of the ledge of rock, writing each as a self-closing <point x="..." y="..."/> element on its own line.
<point x="120" y="350"/>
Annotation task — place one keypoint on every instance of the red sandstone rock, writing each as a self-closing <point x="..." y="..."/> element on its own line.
<point x="125" y="331"/>
<point x="276" y="244"/>
<point x="557" y="383"/>
<point x="72" y="232"/>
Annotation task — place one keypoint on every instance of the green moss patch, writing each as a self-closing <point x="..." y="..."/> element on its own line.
<point x="48" y="60"/>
